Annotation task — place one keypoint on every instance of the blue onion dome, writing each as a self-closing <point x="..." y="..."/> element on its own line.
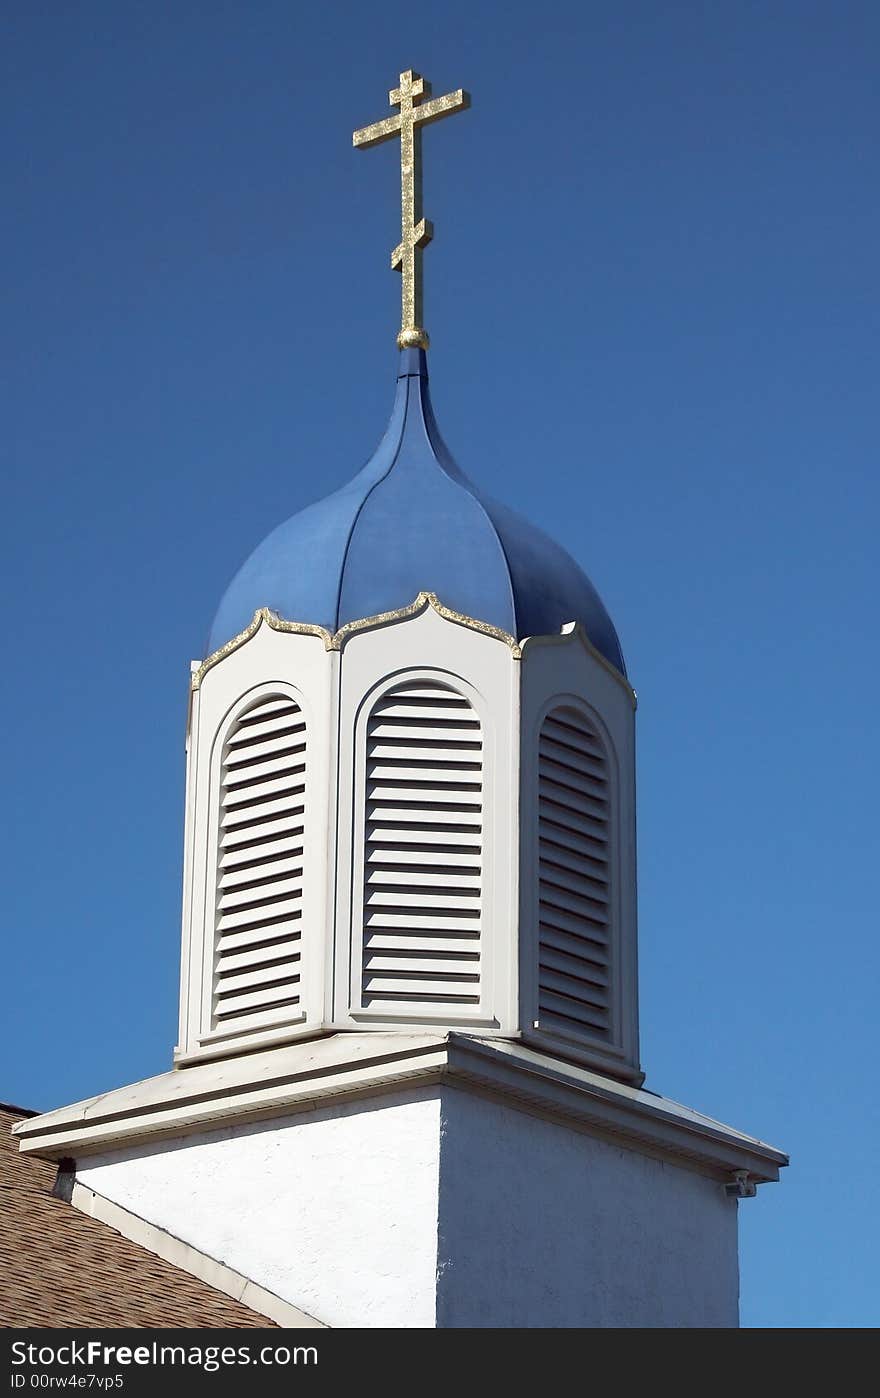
<point x="412" y="522"/>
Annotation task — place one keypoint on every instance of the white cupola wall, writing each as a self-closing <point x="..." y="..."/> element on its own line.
<point x="413" y="823"/>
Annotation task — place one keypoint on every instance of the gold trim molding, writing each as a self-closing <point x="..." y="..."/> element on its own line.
<point x="336" y="640"/>
<point x="575" y="631"/>
<point x="277" y="623"/>
<point x="426" y="599"/>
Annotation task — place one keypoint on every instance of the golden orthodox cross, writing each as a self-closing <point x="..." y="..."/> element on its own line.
<point x="415" y="230"/>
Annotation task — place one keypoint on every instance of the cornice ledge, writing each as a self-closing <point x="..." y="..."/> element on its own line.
<point x="312" y="1074"/>
<point x="653" y="1124"/>
<point x="222" y="1092"/>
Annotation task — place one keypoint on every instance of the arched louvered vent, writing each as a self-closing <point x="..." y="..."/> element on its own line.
<point x="257" y="961"/>
<point x="423" y="855"/>
<point x="574" y="962"/>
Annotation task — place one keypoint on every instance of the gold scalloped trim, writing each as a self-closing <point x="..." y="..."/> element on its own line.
<point x="426" y="599"/>
<point x="335" y="641"/>
<point x="277" y="623"/>
<point x="577" y="632"/>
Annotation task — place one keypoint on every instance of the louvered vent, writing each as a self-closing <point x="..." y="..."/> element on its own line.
<point x="574" y="972"/>
<point x="260" y="877"/>
<point x="423" y="855"/>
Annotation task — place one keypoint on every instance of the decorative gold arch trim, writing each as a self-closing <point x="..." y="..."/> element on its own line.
<point x="426" y="599"/>
<point x="335" y="641"/>
<point x="277" y="623"/>
<point x="575" y="631"/>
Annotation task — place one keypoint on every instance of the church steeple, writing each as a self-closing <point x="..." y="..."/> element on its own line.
<point x="411" y="759"/>
<point x="407" y="1087"/>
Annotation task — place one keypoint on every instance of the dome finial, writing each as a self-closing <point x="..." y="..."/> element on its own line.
<point x="415" y="230"/>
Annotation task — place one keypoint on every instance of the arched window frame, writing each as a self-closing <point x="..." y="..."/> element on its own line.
<point x="480" y="1015"/>
<point x="309" y="1008"/>
<point x="585" y="1044"/>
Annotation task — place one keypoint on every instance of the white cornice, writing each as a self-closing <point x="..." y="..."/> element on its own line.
<point x="308" y="1075"/>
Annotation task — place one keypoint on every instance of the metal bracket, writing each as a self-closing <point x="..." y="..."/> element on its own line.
<point x="741" y="1186"/>
<point x="65" y="1179"/>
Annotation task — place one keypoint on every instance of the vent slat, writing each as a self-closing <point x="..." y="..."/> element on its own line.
<point x="581" y="802"/>
<point x="575" y="897"/>
<point x="555" y="857"/>
<point x="421" y="988"/>
<point x="432" y="964"/>
<point x="574" y="737"/>
<point x="576" y="923"/>
<point x="419" y="898"/>
<point x="570" y="824"/>
<point x="292" y="742"/>
<point x="439" y="921"/>
<point x="426" y="856"/>
<point x="562" y="759"/>
<point x="398" y="837"/>
<point x="281" y="806"/>
<point x="251" y="760"/>
<point x="264" y="708"/>
<point x="383" y="940"/>
<point x="420" y="810"/>
<point x="428" y="752"/>
<point x="450" y="794"/>
<point x="272" y="886"/>
<point x="244" y="767"/>
<point x="576" y="845"/>
<point x="584" y="948"/>
<point x="437" y="734"/>
<point x="265" y="788"/>
<point x="567" y="973"/>
<point x="423" y="838"/>
<point x="275" y="866"/>
<point x="559" y="814"/>
<point x="434" y="694"/>
<point x="279" y="972"/>
<point x="423" y="878"/>
<point x="258" y="956"/>
<point x="289" y="931"/>
<point x="261" y="836"/>
<point x="260" y="873"/>
<point x="251" y="735"/>
<point x="425" y="712"/>
<point x="462" y="772"/>
<point x="258" y="1017"/>
<point x="269" y="996"/>
<point x="572" y="778"/>
<point x="592" y="903"/>
<point x="269" y="911"/>
<point x="553" y="1008"/>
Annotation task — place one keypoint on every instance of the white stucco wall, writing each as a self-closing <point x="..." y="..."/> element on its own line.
<point x="441" y="1207"/>
<point x="334" y="1211"/>
<point x="541" y="1225"/>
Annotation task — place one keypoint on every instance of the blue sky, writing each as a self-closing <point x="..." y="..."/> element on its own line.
<point x="653" y="305"/>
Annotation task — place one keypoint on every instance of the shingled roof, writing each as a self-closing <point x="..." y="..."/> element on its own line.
<point x="60" y="1268"/>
